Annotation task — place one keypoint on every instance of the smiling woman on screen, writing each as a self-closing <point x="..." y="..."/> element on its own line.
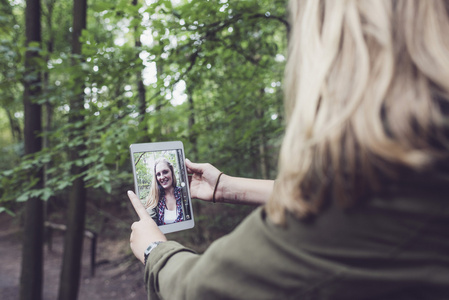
<point x="164" y="202"/>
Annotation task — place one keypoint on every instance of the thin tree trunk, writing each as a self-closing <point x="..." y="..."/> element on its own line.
<point x="16" y="132"/>
<point x="48" y="107"/>
<point x="260" y="114"/>
<point x="142" y="96"/>
<point x="193" y="135"/>
<point x="73" y="243"/>
<point x="140" y="86"/>
<point x="157" y="131"/>
<point x="32" y="251"/>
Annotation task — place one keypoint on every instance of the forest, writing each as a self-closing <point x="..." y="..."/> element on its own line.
<point x="82" y="80"/>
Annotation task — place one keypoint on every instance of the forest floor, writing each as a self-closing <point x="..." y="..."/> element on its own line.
<point x="118" y="274"/>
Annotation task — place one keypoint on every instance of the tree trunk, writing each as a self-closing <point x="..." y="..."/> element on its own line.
<point x="32" y="252"/>
<point x="142" y="96"/>
<point x="140" y="86"/>
<point x="159" y="101"/>
<point x="48" y="107"/>
<point x="73" y="244"/>
<point x="16" y="132"/>
<point x="260" y="114"/>
<point x="193" y="135"/>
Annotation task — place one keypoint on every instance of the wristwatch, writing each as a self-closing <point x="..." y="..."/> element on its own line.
<point x="149" y="249"/>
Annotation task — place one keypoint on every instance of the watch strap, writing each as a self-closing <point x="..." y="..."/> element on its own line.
<point x="149" y="249"/>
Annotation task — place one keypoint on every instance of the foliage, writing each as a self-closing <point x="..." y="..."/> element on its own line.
<point x="212" y="72"/>
<point x="227" y="54"/>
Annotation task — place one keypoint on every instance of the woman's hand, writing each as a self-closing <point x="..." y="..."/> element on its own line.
<point x="203" y="180"/>
<point x="230" y="189"/>
<point x="145" y="231"/>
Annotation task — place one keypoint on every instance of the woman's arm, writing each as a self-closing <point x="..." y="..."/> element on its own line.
<point x="236" y="190"/>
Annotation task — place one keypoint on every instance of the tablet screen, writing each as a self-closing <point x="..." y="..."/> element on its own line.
<point x="161" y="184"/>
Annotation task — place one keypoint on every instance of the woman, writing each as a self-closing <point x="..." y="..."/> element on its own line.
<point x="360" y="206"/>
<point x="164" y="202"/>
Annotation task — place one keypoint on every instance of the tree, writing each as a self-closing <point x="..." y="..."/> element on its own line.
<point x="32" y="251"/>
<point x="73" y="243"/>
<point x="208" y="73"/>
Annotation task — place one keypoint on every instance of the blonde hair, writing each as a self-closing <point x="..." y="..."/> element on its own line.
<point x="152" y="199"/>
<point x="365" y="85"/>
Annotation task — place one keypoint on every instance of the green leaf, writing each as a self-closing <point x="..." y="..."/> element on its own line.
<point x="9" y="212"/>
<point x="47" y="193"/>
<point x="100" y="6"/>
<point x="23" y="197"/>
<point x="107" y="187"/>
<point x="8" y="172"/>
<point x="63" y="184"/>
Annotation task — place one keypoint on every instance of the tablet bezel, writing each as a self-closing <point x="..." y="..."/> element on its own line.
<point x="166" y="146"/>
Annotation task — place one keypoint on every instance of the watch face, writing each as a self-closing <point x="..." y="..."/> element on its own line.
<point x="151" y="247"/>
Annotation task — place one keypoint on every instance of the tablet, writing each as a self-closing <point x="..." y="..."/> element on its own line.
<point x="161" y="183"/>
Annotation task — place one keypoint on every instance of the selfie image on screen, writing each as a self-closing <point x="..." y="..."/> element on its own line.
<point x="161" y="185"/>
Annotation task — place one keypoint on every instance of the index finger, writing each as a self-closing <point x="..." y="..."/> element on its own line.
<point x="138" y="206"/>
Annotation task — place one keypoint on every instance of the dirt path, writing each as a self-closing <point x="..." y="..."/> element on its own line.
<point x="117" y="276"/>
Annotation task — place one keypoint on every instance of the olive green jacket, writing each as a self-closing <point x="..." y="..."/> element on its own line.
<point x="387" y="249"/>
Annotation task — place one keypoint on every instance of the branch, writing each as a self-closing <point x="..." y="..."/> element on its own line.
<point x="139" y="159"/>
<point x="277" y="18"/>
